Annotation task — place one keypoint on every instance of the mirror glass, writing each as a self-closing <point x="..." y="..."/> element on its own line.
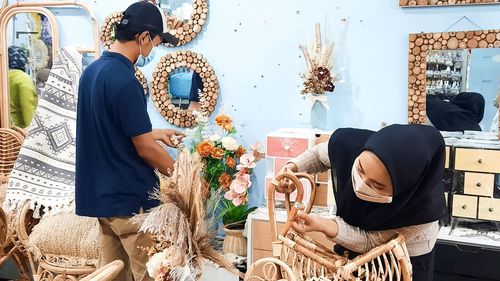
<point x="185" y="88"/>
<point x="29" y="45"/>
<point x="177" y="11"/>
<point x="462" y="88"/>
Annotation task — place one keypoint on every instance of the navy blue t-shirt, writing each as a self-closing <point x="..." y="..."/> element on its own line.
<point x="111" y="179"/>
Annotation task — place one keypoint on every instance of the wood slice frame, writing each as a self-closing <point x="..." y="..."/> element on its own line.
<point x="439" y="3"/>
<point x="185" y="32"/>
<point x="159" y="87"/>
<point x="419" y="46"/>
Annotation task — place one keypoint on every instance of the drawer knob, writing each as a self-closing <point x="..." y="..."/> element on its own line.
<point x="464" y="207"/>
<point x="286" y="147"/>
<point x="491" y="210"/>
<point x="478" y="184"/>
<point x="480" y="161"/>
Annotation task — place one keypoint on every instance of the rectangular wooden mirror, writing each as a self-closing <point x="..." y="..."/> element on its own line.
<point x="454" y="78"/>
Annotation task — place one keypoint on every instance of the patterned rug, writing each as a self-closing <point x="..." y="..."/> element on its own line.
<point x="45" y="169"/>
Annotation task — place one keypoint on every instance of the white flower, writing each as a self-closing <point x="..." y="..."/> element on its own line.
<point x="229" y="143"/>
<point x="214" y="138"/>
<point x="155" y="264"/>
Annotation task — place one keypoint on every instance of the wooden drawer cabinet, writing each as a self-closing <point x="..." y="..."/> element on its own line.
<point x="464" y="206"/>
<point x="477" y="160"/>
<point x="489" y="209"/>
<point x="479" y="184"/>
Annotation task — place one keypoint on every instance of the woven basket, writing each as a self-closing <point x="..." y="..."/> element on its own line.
<point x="298" y="257"/>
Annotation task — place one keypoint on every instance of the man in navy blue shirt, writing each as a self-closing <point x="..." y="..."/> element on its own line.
<point x="116" y="148"/>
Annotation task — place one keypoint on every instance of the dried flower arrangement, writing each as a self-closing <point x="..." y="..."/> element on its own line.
<point x="181" y="234"/>
<point x="318" y="77"/>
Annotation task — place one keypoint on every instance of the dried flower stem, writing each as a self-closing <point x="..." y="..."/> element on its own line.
<point x="318" y="38"/>
<point x="307" y="58"/>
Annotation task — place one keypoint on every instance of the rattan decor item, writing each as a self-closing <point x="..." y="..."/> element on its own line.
<point x="106" y="273"/>
<point x="427" y="3"/>
<point x="161" y="96"/>
<point x="48" y="267"/>
<point x="419" y="46"/>
<point x="10" y="145"/>
<point x="184" y="31"/>
<point x="307" y="260"/>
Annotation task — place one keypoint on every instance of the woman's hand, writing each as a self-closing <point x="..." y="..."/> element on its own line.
<point x="308" y="223"/>
<point x="169" y="137"/>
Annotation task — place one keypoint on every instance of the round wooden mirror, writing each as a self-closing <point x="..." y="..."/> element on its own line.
<point x="183" y="82"/>
<point x="185" y="19"/>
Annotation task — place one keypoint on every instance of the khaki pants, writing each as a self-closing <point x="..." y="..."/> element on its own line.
<point x="120" y="240"/>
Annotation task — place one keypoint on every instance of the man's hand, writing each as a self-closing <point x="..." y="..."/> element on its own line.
<point x="169" y="137"/>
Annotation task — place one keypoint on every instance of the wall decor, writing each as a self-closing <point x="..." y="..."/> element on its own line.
<point x="462" y="62"/>
<point x="427" y="3"/>
<point x="184" y="81"/>
<point x="184" y="21"/>
<point x="318" y="77"/>
<point x="185" y="18"/>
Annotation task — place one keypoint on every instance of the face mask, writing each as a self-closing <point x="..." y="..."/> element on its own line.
<point x="141" y="60"/>
<point x="363" y="191"/>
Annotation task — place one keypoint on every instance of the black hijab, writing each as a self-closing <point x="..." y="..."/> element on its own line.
<point x="463" y="112"/>
<point x="414" y="158"/>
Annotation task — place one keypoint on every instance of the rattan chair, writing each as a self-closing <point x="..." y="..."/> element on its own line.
<point x="106" y="273"/>
<point x="10" y="145"/>
<point x="298" y="257"/>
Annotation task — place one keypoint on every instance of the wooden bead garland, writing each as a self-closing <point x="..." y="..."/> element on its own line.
<point x="161" y="96"/>
<point x="421" y="3"/>
<point x="442" y="41"/>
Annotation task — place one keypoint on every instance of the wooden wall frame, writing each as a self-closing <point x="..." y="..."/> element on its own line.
<point x="440" y="3"/>
<point x="5" y="17"/>
<point x="37" y="7"/>
<point x="419" y="46"/>
<point x="159" y="87"/>
<point x="185" y="32"/>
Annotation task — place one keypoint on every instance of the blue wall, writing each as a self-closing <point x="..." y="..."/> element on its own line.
<point x="253" y="47"/>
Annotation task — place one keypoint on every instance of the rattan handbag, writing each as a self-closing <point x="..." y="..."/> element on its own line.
<point x="298" y="257"/>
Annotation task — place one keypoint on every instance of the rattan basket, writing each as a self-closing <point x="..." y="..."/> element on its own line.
<point x="298" y="257"/>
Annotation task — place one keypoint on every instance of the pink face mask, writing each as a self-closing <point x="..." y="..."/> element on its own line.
<point x="364" y="191"/>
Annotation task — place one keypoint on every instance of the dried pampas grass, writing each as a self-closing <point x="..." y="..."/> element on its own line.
<point x="178" y="224"/>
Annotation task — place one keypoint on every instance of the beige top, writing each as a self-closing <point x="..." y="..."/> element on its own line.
<point x="420" y="239"/>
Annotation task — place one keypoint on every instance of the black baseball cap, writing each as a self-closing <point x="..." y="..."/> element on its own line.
<point x="145" y="16"/>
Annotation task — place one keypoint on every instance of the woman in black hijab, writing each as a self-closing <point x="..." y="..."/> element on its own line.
<point x="387" y="182"/>
<point x="463" y="112"/>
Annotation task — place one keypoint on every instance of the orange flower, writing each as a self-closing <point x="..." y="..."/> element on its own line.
<point x="204" y="149"/>
<point x="225" y="181"/>
<point x="240" y="151"/>
<point x="225" y="122"/>
<point x="230" y="162"/>
<point x="217" y="153"/>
